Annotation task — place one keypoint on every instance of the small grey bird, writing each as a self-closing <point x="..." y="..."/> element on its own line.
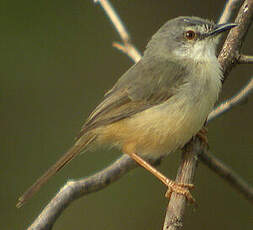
<point x="160" y="103"/>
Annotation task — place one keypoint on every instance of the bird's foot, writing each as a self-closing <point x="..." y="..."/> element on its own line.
<point x="180" y="188"/>
<point x="202" y="135"/>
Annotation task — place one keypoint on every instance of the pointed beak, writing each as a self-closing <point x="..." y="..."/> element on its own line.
<point x="221" y="28"/>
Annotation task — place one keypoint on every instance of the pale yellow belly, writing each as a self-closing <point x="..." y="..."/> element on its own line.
<point x="156" y="131"/>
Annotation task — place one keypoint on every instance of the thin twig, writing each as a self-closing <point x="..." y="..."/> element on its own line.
<point x="245" y="59"/>
<point x="235" y="100"/>
<point x="115" y="19"/>
<point x="229" y="11"/>
<point x="227" y="174"/>
<point x="126" y="46"/>
<point x="74" y="189"/>
<point x="128" y="49"/>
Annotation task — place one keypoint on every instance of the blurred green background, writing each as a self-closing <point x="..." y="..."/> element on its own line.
<point x="56" y="62"/>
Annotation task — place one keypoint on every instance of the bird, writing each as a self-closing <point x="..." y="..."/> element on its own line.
<point x="159" y="104"/>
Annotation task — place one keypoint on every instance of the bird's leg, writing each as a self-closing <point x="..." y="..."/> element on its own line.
<point x="202" y="134"/>
<point x="173" y="186"/>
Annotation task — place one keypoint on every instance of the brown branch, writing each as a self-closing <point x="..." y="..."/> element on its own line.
<point x="235" y="100"/>
<point x="75" y="189"/>
<point x="176" y="206"/>
<point x="245" y="59"/>
<point x="115" y="19"/>
<point x="126" y="46"/>
<point x="229" y="11"/>
<point x="227" y="174"/>
<point x="128" y="49"/>
<point x="232" y="47"/>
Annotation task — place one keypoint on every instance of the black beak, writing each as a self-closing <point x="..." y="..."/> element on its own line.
<point x="221" y="28"/>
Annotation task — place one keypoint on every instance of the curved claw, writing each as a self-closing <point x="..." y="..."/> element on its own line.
<point x="182" y="189"/>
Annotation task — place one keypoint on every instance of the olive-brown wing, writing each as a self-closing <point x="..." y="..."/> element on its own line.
<point x="144" y="85"/>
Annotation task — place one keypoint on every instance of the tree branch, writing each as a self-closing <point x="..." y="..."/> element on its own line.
<point x="74" y="189"/>
<point x="232" y="47"/>
<point x="227" y="174"/>
<point x="176" y="207"/>
<point x="126" y="47"/>
<point x="229" y="11"/>
<point x="245" y="59"/>
<point x="235" y="100"/>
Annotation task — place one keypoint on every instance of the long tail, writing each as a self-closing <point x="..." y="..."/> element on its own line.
<point x="66" y="158"/>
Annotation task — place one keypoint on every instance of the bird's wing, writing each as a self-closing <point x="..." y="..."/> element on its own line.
<point x="147" y="83"/>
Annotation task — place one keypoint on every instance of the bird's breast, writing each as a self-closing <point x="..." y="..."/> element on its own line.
<point x="166" y="127"/>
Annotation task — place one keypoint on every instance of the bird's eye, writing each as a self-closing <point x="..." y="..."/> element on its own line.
<point x="190" y="35"/>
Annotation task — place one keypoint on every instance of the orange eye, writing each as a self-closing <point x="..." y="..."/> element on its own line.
<point x="190" y="34"/>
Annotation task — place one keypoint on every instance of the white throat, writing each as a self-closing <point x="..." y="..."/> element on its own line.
<point x="200" y="51"/>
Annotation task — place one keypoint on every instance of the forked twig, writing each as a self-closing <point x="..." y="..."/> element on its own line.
<point x="126" y="46"/>
<point x="235" y="100"/>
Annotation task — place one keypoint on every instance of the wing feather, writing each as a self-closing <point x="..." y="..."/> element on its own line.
<point x="133" y="93"/>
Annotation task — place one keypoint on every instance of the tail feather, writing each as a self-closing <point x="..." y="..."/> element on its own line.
<point x="66" y="158"/>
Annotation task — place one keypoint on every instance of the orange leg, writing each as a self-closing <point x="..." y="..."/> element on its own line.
<point x="202" y="134"/>
<point x="173" y="186"/>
